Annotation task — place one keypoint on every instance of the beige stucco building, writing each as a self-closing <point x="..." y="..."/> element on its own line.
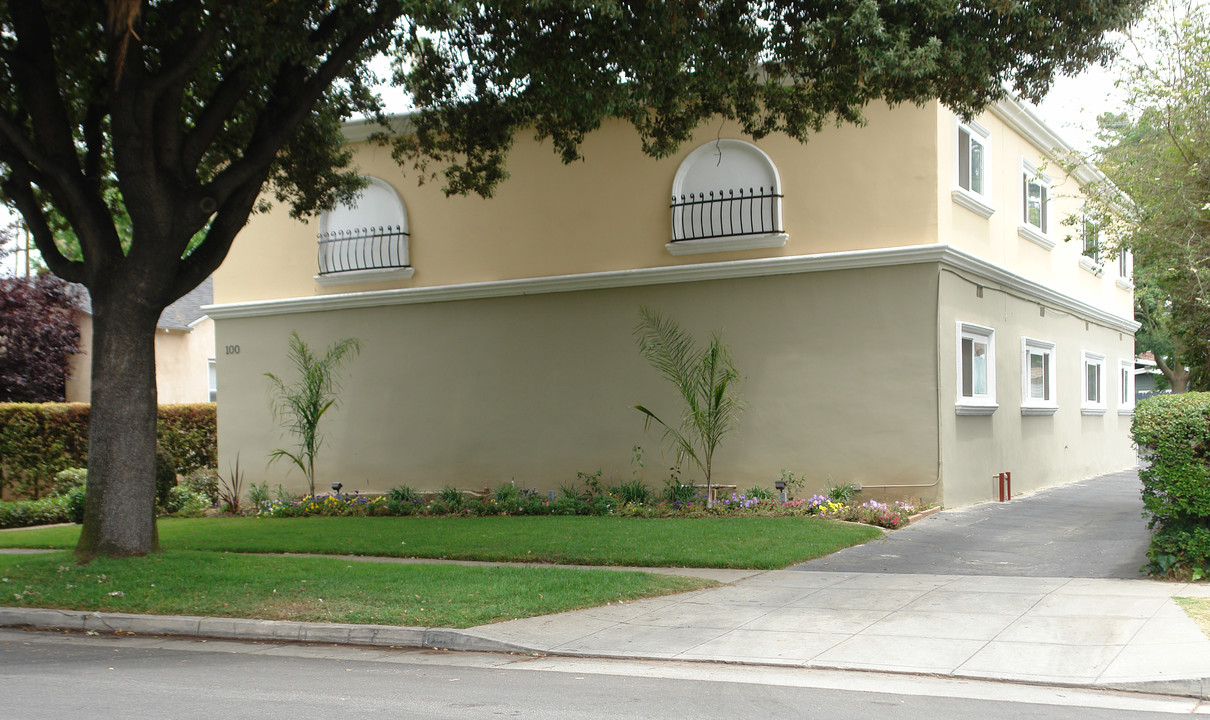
<point x="904" y="301"/>
<point x="185" y="368"/>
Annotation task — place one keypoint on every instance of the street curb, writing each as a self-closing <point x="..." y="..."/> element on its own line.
<point x="444" y="639"/>
<point x="248" y="629"/>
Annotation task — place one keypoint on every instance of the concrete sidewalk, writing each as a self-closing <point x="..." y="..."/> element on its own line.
<point x="1097" y="633"/>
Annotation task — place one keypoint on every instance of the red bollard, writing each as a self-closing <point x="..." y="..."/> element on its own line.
<point x="1006" y="486"/>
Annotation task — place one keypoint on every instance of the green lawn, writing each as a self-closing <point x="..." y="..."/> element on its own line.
<point x="318" y="589"/>
<point x="733" y="542"/>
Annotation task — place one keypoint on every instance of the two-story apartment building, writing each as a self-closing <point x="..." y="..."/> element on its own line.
<point x="905" y="303"/>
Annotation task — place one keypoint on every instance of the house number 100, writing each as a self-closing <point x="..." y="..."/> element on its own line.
<point x="233" y="349"/>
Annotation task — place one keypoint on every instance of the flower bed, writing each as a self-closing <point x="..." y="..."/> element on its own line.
<point x="512" y="502"/>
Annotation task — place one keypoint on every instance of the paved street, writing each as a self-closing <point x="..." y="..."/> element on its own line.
<point x="48" y="676"/>
<point x="1093" y="528"/>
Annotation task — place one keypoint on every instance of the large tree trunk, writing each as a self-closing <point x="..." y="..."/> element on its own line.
<point x="119" y="515"/>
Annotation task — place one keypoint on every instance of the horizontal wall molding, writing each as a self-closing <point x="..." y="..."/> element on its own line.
<point x="943" y="255"/>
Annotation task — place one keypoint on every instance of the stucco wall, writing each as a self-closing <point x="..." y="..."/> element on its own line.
<point x="839" y="378"/>
<point x="1038" y="450"/>
<point x="848" y="188"/>
<point x="996" y="238"/>
<point x="181" y="364"/>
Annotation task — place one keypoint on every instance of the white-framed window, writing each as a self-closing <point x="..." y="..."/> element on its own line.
<point x="212" y="381"/>
<point x="365" y="239"/>
<point x="972" y="179"/>
<point x="1125" y="279"/>
<point x="1090" y="245"/>
<point x="1038" y="395"/>
<point x="1125" y="387"/>
<point x="726" y="196"/>
<point x="976" y="355"/>
<point x="1035" y="201"/>
<point x="1093" y="383"/>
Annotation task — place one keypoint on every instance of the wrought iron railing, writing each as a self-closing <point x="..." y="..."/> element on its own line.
<point x="366" y="248"/>
<point x="726" y="213"/>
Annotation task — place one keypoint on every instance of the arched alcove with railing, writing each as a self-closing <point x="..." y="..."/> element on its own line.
<point x="726" y="196"/>
<point x="365" y="239"/>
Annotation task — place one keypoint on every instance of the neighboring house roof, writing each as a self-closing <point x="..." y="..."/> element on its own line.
<point x="180" y="315"/>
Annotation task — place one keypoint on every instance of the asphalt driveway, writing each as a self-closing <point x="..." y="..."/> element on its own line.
<point x="1091" y="528"/>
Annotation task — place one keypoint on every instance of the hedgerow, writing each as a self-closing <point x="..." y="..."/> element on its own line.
<point x="38" y="440"/>
<point x="1173" y="436"/>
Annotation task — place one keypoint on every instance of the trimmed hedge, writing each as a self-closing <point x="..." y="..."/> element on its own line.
<point x="39" y="440"/>
<point x="1173" y="435"/>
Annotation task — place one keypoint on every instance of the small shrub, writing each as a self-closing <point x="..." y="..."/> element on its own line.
<point x="403" y="494"/>
<point x="258" y="494"/>
<point x="183" y="502"/>
<point x="204" y="482"/>
<point x="231" y="488"/>
<point x="679" y="495"/>
<point x="633" y="492"/>
<point x="840" y="492"/>
<point x="759" y="493"/>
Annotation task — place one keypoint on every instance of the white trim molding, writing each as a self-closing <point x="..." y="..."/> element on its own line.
<point x="724" y="244"/>
<point x="1028" y="232"/>
<point x="944" y="255"/>
<point x="357" y="277"/>
<point x="972" y="202"/>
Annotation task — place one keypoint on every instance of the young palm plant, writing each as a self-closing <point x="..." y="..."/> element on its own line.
<point x="705" y="381"/>
<point x="300" y="405"/>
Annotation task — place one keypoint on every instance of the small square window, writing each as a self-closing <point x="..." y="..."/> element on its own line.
<point x="1094" y="384"/>
<point x="212" y="381"/>
<point x="976" y="370"/>
<point x="1038" y="396"/>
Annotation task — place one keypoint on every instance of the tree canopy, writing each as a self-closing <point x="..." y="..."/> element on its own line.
<point x="1157" y="152"/>
<point x="154" y="128"/>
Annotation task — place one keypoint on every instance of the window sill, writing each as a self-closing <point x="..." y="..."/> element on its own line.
<point x="975" y="408"/>
<point x="739" y="242"/>
<point x="1126" y="411"/>
<point x="1039" y="409"/>
<point x="1124" y="284"/>
<point x="1092" y="411"/>
<point x="1035" y="236"/>
<point x="355" y="277"/>
<point x="1091" y="265"/>
<point x="972" y="201"/>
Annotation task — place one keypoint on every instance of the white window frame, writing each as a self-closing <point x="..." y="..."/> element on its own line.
<point x="1125" y="279"/>
<point x="977" y="201"/>
<point x="389" y="200"/>
<point x="212" y="379"/>
<point x="1090" y="405"/>
<point x="1029" y="404"/>
<point x="1094" y="262"/>
<point x="1125" y="387"/>
<point x="1039" y="234"/>
<point x="976" y="404"/>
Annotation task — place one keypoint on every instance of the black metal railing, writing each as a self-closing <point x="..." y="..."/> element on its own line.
<point x="726" y="213"/>
<point x="366" y="248"/>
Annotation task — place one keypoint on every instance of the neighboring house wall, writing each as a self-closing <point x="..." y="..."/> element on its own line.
<point x="184" y="349"/>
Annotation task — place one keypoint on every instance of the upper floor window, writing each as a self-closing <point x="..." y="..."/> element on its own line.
<point x="365" y="239"/>
<point x="1090" y="244"/>
<point x="1094" y="384"/>
<point x="1037" y="379"/>
<point x="976" y="370"/>
<point x="1035" y="192"/>
<point x="971" y="178"/>
<point x="726" y="196"/>
<point x="1125" y="269"/>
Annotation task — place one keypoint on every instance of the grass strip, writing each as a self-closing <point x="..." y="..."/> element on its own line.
<point x="1198" y="609"/>
<point x="318" y="589"/>
<point x="730" y="542"/>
